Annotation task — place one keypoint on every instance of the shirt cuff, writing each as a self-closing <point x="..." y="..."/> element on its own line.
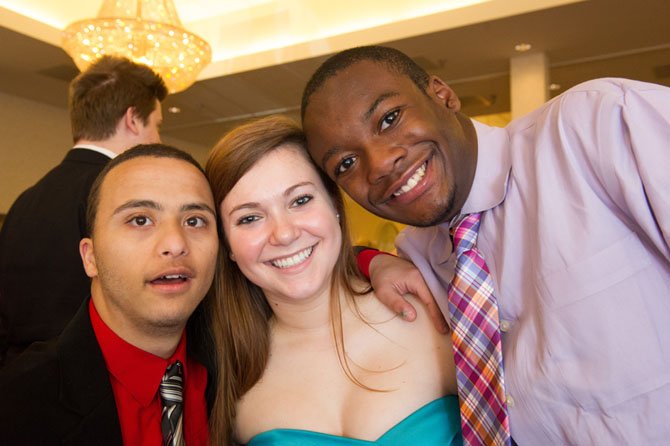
<point x="364" y="257"/>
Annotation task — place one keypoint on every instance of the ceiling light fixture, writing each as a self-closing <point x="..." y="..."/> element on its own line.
<point x="145" y="31"/>
<point x="522" y="47"/>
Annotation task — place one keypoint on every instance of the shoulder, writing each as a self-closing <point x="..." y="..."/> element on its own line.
<point x="86" y="156"/>
<point x="29" y="387"/>
<point x="35" y="366"/>
<point x="590" y="120"/>
<point x="422" y="351"/>
<point x="602" y="98"/>
<point x="408" y="335"/>
<point x="616" y="85"/>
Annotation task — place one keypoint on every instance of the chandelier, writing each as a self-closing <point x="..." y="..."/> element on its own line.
<point x="145" y="31"/>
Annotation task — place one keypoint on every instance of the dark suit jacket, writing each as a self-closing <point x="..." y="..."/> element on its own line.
<point x="42" y="280"/>
<point x="59" y="392"/>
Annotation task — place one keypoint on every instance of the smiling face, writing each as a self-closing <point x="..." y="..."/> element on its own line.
<point x="403" y="154"/>
<point x="152" y="253"/>
<point x="282" y="228"/>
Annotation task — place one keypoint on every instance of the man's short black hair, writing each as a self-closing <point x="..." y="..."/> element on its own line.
<point x="139" y="151"/>
<point x="393" y="59"/>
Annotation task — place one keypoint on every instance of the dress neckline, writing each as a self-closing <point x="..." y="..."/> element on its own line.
<point x="316" y="435"/>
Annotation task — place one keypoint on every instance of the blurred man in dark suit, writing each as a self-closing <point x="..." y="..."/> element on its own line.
<point x="114" y="105"/>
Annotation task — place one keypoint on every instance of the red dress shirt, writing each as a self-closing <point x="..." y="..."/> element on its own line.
<point x="135" y="376"/>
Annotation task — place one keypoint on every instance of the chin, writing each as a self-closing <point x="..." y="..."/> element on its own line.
<point x="435" y="215"/>
<point x="169" y="323"/>
<point x="170" y="319"/>
<point x="438" y="217"/>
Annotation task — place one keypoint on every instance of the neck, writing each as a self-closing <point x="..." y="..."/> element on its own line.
<point x="310" y="314"/>
<point x="161" y="341"/>
<point x="112" y="144"/>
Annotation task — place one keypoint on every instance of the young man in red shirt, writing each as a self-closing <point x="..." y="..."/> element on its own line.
<point x="151" y="255"/>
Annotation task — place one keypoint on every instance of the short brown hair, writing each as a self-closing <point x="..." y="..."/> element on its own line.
<point x="100" y="96"/>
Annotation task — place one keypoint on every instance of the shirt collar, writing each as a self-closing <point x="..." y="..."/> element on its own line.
<point x="139" y="372"/>
<point x="98" y="149"/>
<point x="493" y="167"/>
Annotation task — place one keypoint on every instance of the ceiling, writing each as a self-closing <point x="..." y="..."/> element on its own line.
<point x="582" y="40"/>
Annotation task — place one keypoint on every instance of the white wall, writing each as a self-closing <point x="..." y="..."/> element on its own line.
<point x="34" y="137"/>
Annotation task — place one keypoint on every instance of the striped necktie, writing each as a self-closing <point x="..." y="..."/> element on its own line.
<point x="171" y="392"/>
<point x="476" y="340"/>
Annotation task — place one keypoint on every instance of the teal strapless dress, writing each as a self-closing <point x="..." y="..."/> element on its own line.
<point x="436" y="423"/>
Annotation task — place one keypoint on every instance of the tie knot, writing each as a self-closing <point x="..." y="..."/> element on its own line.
<point x="173" y="370"/>
<point x="465" y="233"/>
<point x="172" y="384"/>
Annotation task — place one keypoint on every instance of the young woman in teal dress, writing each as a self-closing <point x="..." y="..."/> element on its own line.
<point x="305" y="353"/>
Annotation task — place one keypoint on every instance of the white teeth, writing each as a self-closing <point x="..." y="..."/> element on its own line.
<point x="412" y="182"/>
<point x="173" y="276"/>
<point x="294" y="259"/>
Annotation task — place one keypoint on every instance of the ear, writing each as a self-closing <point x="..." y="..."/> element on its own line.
<point x="439" y="90"/>
<point x="131" y="121"/>
<point x="87" y="257"/>
<point x="231" y="255"/>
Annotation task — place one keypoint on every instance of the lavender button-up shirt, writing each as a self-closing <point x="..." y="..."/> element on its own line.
<point x="576" y="232"/>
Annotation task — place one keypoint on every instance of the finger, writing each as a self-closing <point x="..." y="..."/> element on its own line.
<point x="404" y="309"/>
<point x="423" y="293"/>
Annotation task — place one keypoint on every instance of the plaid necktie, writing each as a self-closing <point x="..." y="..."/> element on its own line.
<point x="171" y="392"/>
<point x="476" y="340"/>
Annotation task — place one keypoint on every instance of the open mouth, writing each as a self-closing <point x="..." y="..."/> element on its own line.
<point x="169" y="279"/>
<point x="295" y="259"/>
<point x="412" y="181"/>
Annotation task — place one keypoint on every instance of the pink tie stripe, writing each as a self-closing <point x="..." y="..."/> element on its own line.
<point x="476" y="340"/>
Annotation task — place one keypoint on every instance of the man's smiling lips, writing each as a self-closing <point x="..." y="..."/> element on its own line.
<point x="410" y="181"/>
<point x="413" y="180"/>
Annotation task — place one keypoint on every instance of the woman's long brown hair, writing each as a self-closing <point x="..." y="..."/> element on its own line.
<point x="238" y="312"/>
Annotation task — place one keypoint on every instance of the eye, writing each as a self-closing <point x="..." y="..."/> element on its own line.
<point x="247" y="219"/>
<point x="389" y="119"/>
<point x="196" y="222"/>
<point x="344" y="165"/>
<point x="302" y="200"/>
<point x="140" y="220"/>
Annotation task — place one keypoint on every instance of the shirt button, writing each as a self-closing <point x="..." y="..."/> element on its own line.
<point x="510" y="401"/>
<point x="504" y="326"/>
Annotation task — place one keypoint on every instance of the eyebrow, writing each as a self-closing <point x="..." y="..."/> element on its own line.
<point x="290" y="190"/>
<point x="366" y="116"/>
<point x="150" y="204"/>
<point x="255" y="204"/>
<point x="328" y="155"/>
<point x="381" y="98"/>
<point x="134" y="204"/>
<point x="198" y="207"/>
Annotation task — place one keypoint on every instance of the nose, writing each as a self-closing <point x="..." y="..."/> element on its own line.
<point x="382" y="160"/>
<point x="284" y="230"/>
<point x="173" y="242"/>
